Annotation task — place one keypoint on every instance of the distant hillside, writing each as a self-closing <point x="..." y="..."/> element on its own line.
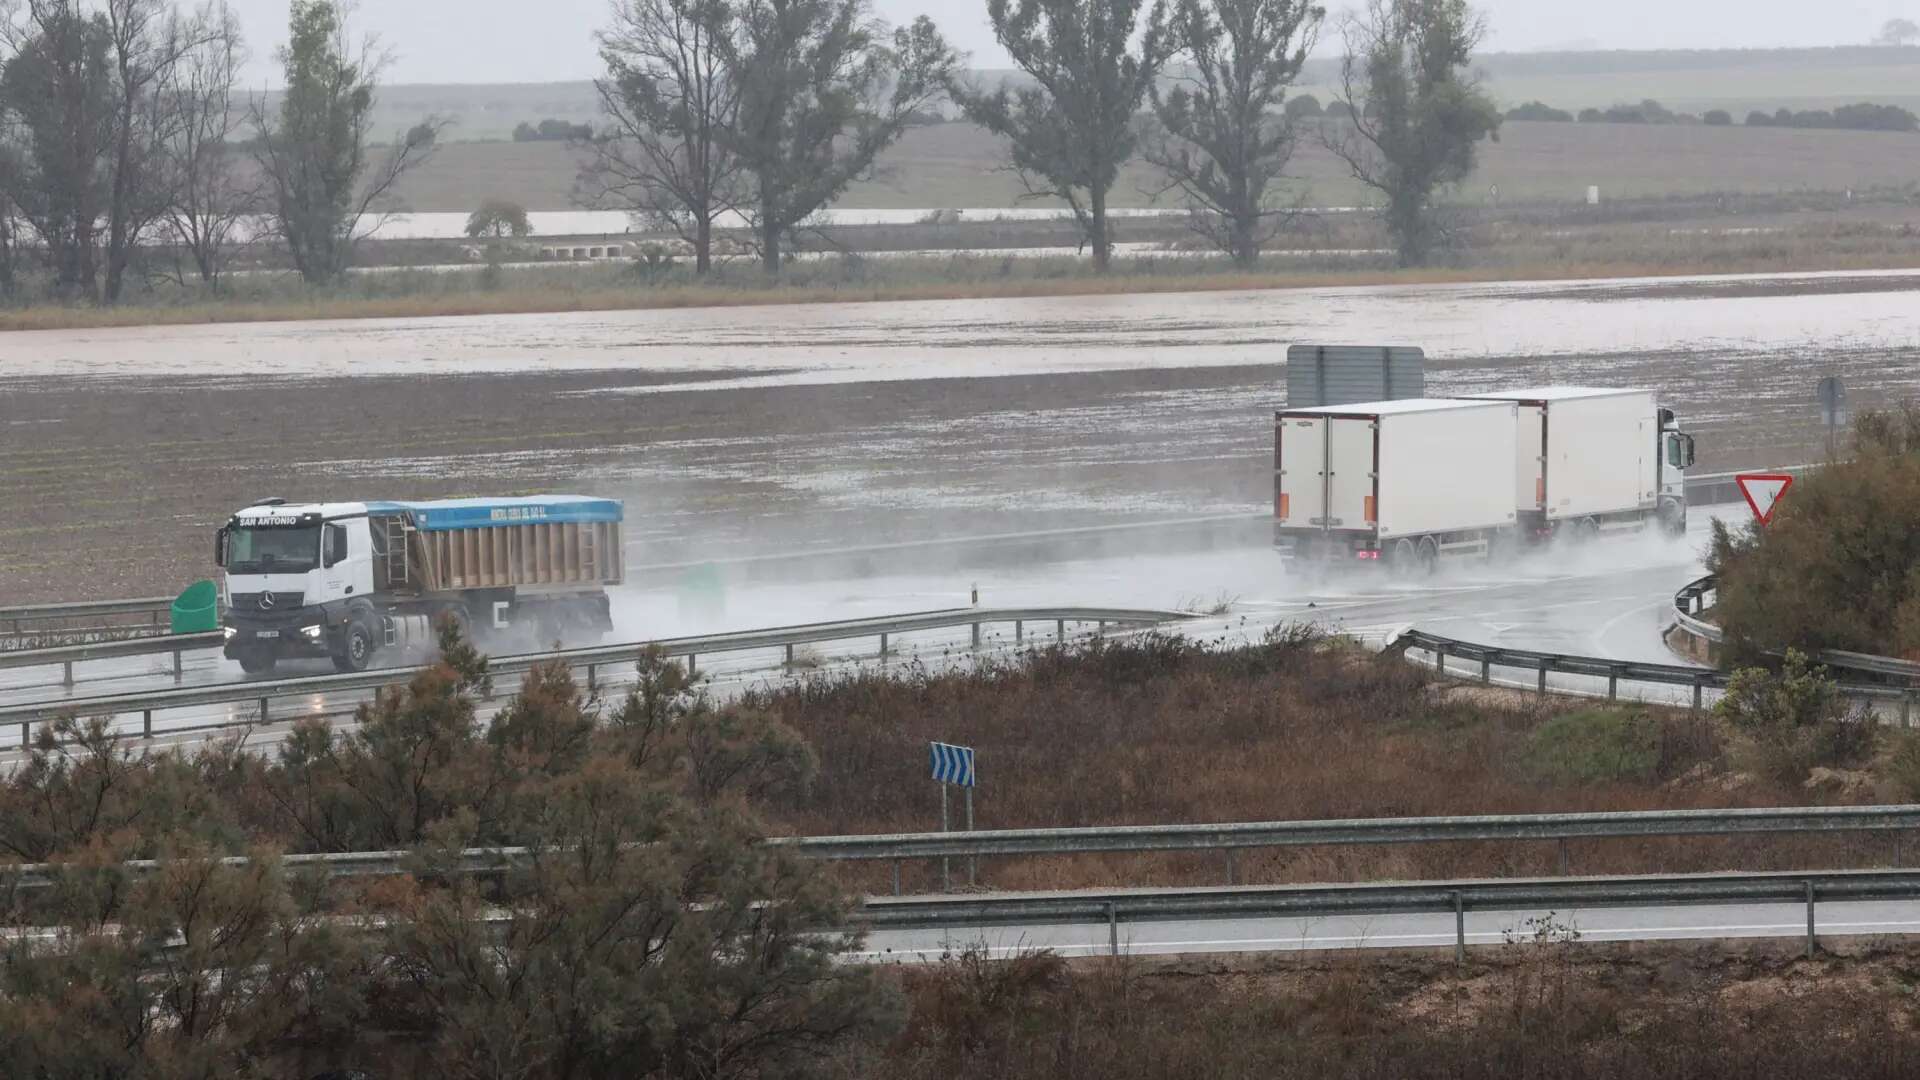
<point x="1738" y="80"/>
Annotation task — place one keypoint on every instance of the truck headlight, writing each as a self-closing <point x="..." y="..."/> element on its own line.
<point x="313" y="632"/>
<point x="227" y="632"/>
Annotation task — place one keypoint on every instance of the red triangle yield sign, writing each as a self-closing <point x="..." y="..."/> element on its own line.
<point x="1763" y="491"/>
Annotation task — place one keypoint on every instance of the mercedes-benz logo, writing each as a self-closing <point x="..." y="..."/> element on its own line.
<point x="266" y="600"/>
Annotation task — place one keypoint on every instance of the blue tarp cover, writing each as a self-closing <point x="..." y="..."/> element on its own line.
<point x="448" y="514"/>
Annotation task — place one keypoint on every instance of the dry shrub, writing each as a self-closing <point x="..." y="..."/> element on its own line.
<point x="1547" y="1010"/>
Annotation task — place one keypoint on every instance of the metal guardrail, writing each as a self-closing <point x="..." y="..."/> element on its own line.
<point x="19" y="621"/>
<point x="264" y="692"/>
<point x="1228" y="837"/>
<point x="151" y="645"/>
<point x="1698" y="596"/>
<point x="1711" y="489"/>
<point x="1616" y="671"/>
<point x="1542" y="664"/>
<point x="1113" y="907"/>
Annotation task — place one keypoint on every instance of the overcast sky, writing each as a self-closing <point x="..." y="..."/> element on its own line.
<point x="452" y="41"/>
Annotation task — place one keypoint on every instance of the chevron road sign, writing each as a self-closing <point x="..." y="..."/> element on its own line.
<point x="953" y="764"/>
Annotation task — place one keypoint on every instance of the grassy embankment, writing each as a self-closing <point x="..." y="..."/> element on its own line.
<point x="1514" y="253"/>
<point x="1537" y="1009"/>
<point x="1168" y="732"/>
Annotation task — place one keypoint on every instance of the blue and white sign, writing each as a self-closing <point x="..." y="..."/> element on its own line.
<point x="953" y="764"/>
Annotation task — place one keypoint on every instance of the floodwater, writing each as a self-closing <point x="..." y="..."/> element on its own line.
<point x="1571" y="331"/>
<point x="441" y="225"/>
<point x="739" y="433"/>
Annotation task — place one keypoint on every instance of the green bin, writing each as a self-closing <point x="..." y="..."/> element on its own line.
<point x="197" y="611"/>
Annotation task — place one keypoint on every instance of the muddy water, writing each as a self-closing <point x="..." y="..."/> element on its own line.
<point x="787" y="345"/>
<point x="741" y="432"/>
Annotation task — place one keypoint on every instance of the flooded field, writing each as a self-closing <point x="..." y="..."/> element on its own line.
<point x="740" y="432"/>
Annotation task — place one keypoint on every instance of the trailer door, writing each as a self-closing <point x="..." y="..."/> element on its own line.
<point x="1350" y="472"/>
<point x="1300" y="489"/>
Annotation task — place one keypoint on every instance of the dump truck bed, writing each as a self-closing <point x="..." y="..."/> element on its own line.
<point x="545" y="542"/>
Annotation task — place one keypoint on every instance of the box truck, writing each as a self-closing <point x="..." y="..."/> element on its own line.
<point x="1593" y="460"/>
<point x="1411" y="482"/>
<point x="1407" y="482"/>
<point x="347" y="581"/>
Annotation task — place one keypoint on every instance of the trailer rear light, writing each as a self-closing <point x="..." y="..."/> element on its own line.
<point x="1281" y="502"/>
<point x="1366" y="509"/>
<point x="1373" y="556"/>
<point x="1540" y="490"/>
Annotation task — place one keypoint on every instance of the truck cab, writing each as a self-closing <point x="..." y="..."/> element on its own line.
<point x="292" y="575"/>
<point x="1676" y="457"/>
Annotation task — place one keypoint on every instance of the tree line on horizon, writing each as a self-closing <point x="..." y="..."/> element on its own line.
<point x="770" y="109"/>
<point x="129" y="153"/>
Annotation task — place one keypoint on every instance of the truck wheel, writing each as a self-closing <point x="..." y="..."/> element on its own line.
<point x="256" y="663"/>
<point x="1404" y="559"/>
<point x="1673" y="517"/>
<point x="356" y="652"/>
<point x="1429" y="555"/>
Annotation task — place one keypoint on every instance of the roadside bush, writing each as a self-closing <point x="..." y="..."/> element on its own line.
<point x="1717" y="118"/>
<point x="1796" y="719"/>
<point x="1903" y="766"/>
<point x="1839" y="565"/>
<point x="1595" y="746"/>
<point x="1608" y="746"/>
<point x="1302" y="107"/>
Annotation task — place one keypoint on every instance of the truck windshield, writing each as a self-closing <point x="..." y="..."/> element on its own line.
<point x="278" y="550"/>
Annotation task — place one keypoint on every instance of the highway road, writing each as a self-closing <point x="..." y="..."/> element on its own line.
<point x="1606" y="600"/>
<point x="1679" y="922"/>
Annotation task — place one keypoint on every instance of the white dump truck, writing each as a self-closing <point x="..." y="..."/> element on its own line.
<point x="347" y="581"/>
<point x="1415" y="481"/>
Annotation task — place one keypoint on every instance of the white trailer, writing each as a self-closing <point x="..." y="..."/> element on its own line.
<point x="1407" y="482"/>
<point x="1591" y="460"/>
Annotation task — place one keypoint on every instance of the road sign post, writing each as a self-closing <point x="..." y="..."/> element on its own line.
<point x="1833" y="408"/>
<point x="953" y="766"/>
<point x="1762" y="492"/>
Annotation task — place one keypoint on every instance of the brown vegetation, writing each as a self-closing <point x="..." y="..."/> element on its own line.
<point x="1161" y="730"/>
<point x="1540" y="1008"/>
<point x="648" y="933"/>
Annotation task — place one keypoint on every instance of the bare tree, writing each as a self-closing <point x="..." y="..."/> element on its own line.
<point x="1222" y="139"/>
<point x="314" y="154"/>
<point x="668" y="97"/>
<point x="1073" y="129"/>
<point x="208" y="196"/>
<point x="146" y="40"/>
<point x="1898" y="32"/>
<point x="59" y="84"/>
<point x="1414" y="116"/>
<point x="822" y="90"/>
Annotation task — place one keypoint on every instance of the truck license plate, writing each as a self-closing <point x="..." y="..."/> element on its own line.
<point x="266" y="633"/>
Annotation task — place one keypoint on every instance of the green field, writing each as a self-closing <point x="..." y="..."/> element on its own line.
<point x="959" y="165"/>
<point x="1736" y="80"/>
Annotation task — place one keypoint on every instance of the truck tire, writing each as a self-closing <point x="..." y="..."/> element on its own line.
<point x="1586" y="530"/>
<point x="1429" y="557"/>
<point x="1404" y="559"/>
<point x="256" y="663"/>
<point x="356" y="649"/>
<point x="1673" y="517"/>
